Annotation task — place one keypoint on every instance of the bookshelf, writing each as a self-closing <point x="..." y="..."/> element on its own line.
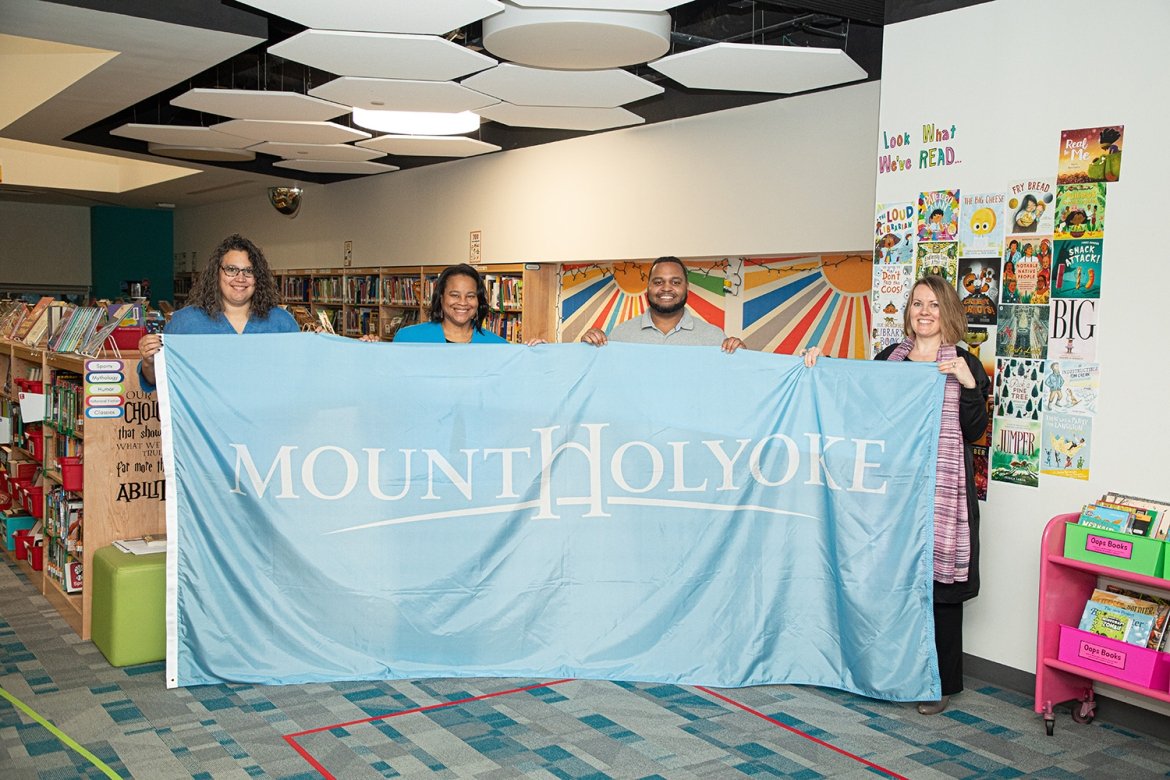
<point x="183" y="283"/>
<point x="117" y="489"/>
<point x="383" y="299"/>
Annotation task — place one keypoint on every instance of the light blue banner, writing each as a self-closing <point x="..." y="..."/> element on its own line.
<point x="340" y="510"/>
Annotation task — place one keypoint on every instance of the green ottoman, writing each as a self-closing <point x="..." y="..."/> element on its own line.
<point x="129" y="606"/>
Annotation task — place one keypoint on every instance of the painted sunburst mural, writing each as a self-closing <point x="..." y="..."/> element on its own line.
<point x="775" y="304"/>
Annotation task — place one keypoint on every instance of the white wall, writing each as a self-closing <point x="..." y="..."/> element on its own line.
<point x="42" y="244"/>
<point x="785" y="176"/>
<point x="1011" y="75"/>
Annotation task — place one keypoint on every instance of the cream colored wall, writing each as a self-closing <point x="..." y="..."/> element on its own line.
<point x="1005" y="74"/>
<point x="44" y="244"/>
<point x="787" y="176"/>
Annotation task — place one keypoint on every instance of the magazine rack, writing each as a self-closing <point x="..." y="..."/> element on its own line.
<point x="1065" y="585"/>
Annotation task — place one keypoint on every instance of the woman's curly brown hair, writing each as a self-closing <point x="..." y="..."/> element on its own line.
<point x="205" y="292"/>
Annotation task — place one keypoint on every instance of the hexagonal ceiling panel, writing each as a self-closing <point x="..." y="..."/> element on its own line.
<point x="565" y="118"/>
<point x="259" y="104"/>
<point x="184" y="135"/>
<point x="335" y="166"/>
<point x="382" y="55"/>
<point x="403" y="95"/>
<point x="429" y="145"/>
<point x="291" y="132"/>
<point x="402" y="16"/>
<point x="749" y="67"/>
<point x="335" y="152"/>
<point x="577" y="38"/>
<point x="524" y="86"/>
<point x="620" y="5"/>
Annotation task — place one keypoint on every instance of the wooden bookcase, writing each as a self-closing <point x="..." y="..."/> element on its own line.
<point x="383" y="299"/>
<point x="122" y="478"/>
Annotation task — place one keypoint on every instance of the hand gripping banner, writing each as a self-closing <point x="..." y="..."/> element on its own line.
<point x="340" y="510"/>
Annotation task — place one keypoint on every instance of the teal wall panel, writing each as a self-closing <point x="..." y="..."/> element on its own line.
<point x="132" y="245"/>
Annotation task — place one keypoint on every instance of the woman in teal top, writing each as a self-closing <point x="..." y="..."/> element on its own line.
<point x="234" y="294"/>
<point x="459" y="305"/>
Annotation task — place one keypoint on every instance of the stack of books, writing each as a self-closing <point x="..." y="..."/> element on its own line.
<point x="1128" y="616"/>
<point x="1128" y="515"/>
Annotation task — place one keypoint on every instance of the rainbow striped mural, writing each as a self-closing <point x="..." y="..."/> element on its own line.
<point x="775" y="304"/>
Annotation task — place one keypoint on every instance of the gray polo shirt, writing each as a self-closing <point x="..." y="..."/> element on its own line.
<point x="690" y="332"/>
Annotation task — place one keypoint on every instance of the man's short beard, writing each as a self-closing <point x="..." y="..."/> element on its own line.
<point x="672" y="309"/>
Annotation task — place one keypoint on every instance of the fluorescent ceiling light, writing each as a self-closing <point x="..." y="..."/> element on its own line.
<point x="416" y="122"/>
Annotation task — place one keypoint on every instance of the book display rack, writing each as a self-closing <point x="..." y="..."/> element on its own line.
<point x="92" y="466"/>
<point x="1070" y="661"/>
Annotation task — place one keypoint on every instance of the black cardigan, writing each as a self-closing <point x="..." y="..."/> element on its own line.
<point x="973" y="422"/>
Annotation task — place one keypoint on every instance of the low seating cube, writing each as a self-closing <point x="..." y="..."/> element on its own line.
<point x="129" y="606"/>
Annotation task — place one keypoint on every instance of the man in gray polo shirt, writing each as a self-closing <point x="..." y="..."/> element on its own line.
<point x="667" y="321"/>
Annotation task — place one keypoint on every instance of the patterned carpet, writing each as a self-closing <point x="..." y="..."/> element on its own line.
<point x="105" y="722"/>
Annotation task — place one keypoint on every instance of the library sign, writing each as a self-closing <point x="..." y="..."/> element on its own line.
<point x="137" y="440"/>
<point x="627" y="512"/>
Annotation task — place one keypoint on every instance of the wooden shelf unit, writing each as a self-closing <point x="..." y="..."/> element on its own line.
<point x="381" y="300"/>
<point x="122" y="479"/>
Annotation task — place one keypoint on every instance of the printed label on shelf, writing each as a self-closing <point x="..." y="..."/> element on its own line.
<point x="103" y="365"/>
<point x="105" y="400"/>
<point x="105" y="389"/>
<point x="1102" y="655"/>
<point x="1105" y="545"/>
<point x="103" y="377"/>
<point x="103" y="412"/>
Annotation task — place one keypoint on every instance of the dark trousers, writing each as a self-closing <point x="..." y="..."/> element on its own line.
<point x="948" y="640"/>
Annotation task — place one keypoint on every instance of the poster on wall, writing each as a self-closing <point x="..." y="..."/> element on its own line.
<point x="1032" y="271"/>
<point x="1071" y="387"/>
<point x="1015" y="451"/>
<point x="940" y="258"/>
<point x="1072" y="329"/>
<point x="938" y="215"/>
<point x="1078" y="269"/>
<point x="1029" y="207"/>
<point x="1019" y="388"/>
<point x="1090" y="154"/>
<point x="1080" y="211"/>
<point x="979" y="459"/>
<point x="1065" y="445"/>
<point x="1022" y="331"/>
<point x="981" y="226"/>
<point x="979" y="289"/>
<point x="894" y="234"/>
<point x="891" y="289"/>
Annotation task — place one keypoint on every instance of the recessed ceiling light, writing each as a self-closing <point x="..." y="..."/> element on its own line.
<point x="417" y="122"/>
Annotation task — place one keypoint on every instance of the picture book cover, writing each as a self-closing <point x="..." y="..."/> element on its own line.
<point x="938" y="216"/>
<point x="891" y="289"/>
<point x="981" y="227"/>
<point x="1031" y="271"/>
<point x="1161" y="618"/>
<point x="1090" y="154"/>
<point x="1121" y="624"/>
<point x="979" y="288"/>
<point x="1106" y="518"/>
<point x="1015" y="451"/>
<point x="1022" y="331"/>
<point x="1080" y="211"/>
<point x="974" y="339"/>
<point x="1019" y="388"/>
<point x="979" y="455"/>
<point x="1078" y="269"/>
<point x="1028" y="207"/>
<point x="938" y="257"/>
<point x="894" y="234"/>
<point x="1072" y="329"/>
<point x="1066" y="445"/>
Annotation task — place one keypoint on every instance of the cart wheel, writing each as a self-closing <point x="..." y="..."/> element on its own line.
<point x="1049" y="725"/>
<point x="1084" y="712"/>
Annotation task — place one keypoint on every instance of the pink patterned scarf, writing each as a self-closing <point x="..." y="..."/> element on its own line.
<point x="952" y="534"/>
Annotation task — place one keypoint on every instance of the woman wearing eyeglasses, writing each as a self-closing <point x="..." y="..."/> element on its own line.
<point x="234" y="294"/>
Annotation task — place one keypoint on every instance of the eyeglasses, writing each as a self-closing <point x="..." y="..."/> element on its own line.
<point x="232" y="271"/>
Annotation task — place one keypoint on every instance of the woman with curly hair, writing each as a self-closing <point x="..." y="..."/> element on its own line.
<point x="234" y="294"/>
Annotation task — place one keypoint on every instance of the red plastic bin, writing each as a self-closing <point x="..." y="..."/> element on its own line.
<point x="127" y="337"/>
<point x="72" y="472"/>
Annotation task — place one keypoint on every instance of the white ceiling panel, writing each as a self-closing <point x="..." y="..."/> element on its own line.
<point x="382" y="55"/>
<point x="183" y="135"/>
<point x="402" y="95"/>
<point x="335" y="166"/>
<point x="429" y="145"/>
<point x="603" y="5"/>
<point x="259" y="104"/>
<point x="526" y="86"/>
<point x="201" y="153"/>
<point x="560" y="117"/>
<point x="747" y="67"/>
<point x="291" y="132"/>
<point x="576" y="38"/>
<point x="433" y="17"/>
<point x="331" y="152"/>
